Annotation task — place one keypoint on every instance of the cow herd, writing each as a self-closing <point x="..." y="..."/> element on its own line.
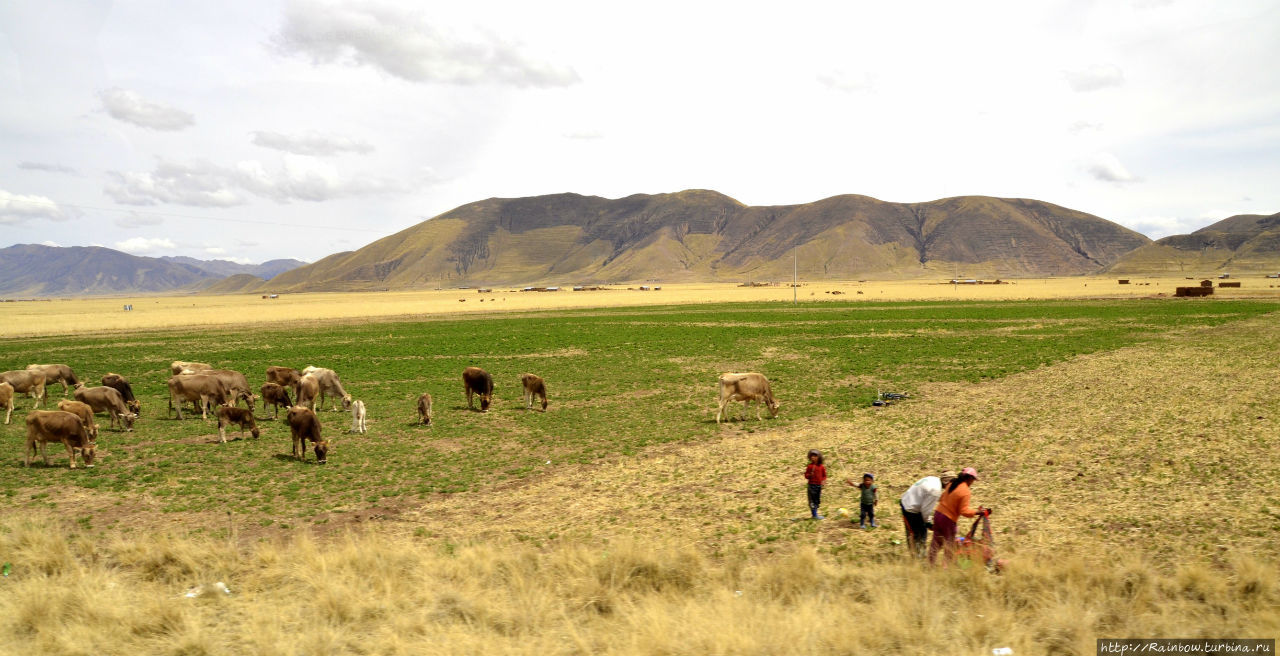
<point x="220" y="391"/>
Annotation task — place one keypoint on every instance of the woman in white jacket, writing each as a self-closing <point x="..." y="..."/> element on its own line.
<point x="917" y="505"/>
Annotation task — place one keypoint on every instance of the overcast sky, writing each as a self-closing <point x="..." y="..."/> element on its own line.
<point x="258" y="130"/>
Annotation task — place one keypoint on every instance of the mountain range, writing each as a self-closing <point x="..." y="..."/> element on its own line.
<point x="1245" y="242"/>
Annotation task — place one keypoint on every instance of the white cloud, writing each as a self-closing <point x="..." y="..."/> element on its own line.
<point x="841" y="81"/>
<point x="404" y="44"/>
<point x="136" y="220"/>
<point x="51" y="243"/>
<point x="1107" y="168"/>
<point x="140" y="245"/>
<point x="584" y="135"/>
<point x="1157" y="227"/>
<point x="204" y="184"/>
<point x="49" y="168"/>
<point x="1080" y="127"/>
<point x="16" y="208"/>
<point x="214" y="250"/>
<point x="127" y="106"/>
<point x="311" y="143"/>
<point x="1095" y="77"/>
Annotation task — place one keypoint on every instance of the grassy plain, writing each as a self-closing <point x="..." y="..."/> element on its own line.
<point x="1128" y="446"/>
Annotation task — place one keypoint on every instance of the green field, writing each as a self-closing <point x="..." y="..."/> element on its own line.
<point x="619" y="379"/>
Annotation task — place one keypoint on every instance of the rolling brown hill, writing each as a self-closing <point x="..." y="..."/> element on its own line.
<point x="1242" y="243"/>
<point x="700" y="235"/>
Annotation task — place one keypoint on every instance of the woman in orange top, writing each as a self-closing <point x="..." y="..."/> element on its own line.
<point x="953" y="505"/>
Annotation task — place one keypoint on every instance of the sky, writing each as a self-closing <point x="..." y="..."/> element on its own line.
<point x="258" y="130"/>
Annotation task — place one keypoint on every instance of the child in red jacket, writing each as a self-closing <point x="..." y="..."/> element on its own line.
<point x="816" y="474"/>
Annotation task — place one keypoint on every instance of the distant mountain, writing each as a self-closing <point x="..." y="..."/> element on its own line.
<point x="223" y="268"/>
<point x="1242" y="243"/>
<point x="700" y="235"/>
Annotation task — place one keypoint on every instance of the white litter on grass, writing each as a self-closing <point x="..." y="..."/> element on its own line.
<point x="200" y="590"/>
<point x="1002" y="651"/>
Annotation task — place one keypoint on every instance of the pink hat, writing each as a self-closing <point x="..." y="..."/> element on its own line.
<point x="970" y="471"/>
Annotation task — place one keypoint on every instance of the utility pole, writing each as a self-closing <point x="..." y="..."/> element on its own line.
<point x="795" y="269"/>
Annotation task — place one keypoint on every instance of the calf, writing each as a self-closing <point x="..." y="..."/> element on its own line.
<point x="275" y="395"/>
<point x="207" y="390"/>
<point x="56" y="373"/>
<point x="6" y="401"/>
<point x="229" y="414"/>
<point x="84" y="412"/>
<point x="533" y="386"/>
<point x="121" y="384"/>
<point x="304" y="425"/>
<point x="358" y="417"/>
<point x="26" y="382"/>
<point x="284" y="377"/>
<point x="424" y="409"/>
<point x="44" y="426"/>
<point x="108" y="400"/>
<point x="746" y="387"/>
<point x="478" y="381"/>
<point x="179" y="366"/>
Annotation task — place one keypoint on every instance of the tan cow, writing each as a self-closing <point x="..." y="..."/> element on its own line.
<point x="275" y="396"/>
<point x="424" y="409"/>
<point x="304" y="425"/>
<point x="84" y="412"/>
<point x="236" y="383"/>
<point x="284" y="377"/>
<point x="207" y="390"/>
<point x="179" y="366"/>
<point x="26" y="382"/>
<point x="108" y="400"/>
<point x="121" y="384"/>
<point x="6" y="401"/>
<point x="44" y="426"/>
<point x="329" y="385"/>
<point x="56" y="373"/>
<point x="229" y="414"/>
<point x="308" y="391"/>
<point x="533" y="386"/>
<point x="746" y="387"/>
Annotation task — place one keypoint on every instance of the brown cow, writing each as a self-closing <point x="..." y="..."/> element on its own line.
<point x="304" y="425"/>
<point x="746" y="387"/>
<point x="229" y="414"/>
<point x="208" y="390"/>
<point x="121" y="384"/>
<point x="329" y="385"/>
<point x="56" y="373"/>
<point x="284" y="377"/>
<point x="478" y="381"/>
<point x="236" y="383"/>
<point x="26" y="382"/>
<point x="275" y="396"/>
<point x="533" y="386"/>
<point x="179" y="366"/>
<point x="108" y="400"/>
<point x="85" y="412"/>
<point x="308" y="391"/>
<point x="6" y="400"/>
<point x="424" y="409"/>
<point x="44" y="426"/>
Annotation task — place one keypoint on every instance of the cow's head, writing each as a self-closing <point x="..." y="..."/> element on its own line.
<point x="128" y="419"/>
<point x="322" y="452"/>
<point x="346" y="402"/>
<point x="87" y="452"/>
<point x="254" y="430"/>
<point x="135" y="406"/>
<point x="249" y="400"/>
<point x="773" y="407"/>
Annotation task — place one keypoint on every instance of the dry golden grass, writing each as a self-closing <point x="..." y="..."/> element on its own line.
<point x="97" y="315"/>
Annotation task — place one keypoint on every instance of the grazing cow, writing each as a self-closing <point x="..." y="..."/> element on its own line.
<point x="424" y="409"/>
<point x="108" y="400"/>
<point x="229" y="414"/>
<point x="329" y="385"/>
<point x="236" y="383"/>
<point x="478" y="381"/>
<point x="44" y="426"/>
<point x="121" y="384"/>
<point x="746" y="387"/>
<point x="284" y="377"/>
<point x="358" y="417"/>
<point x="304" y="425"/>
<point x="56" y="373"/>
<point x="84" y="412"/>
<point x="533" y="386"/>
<point x="6" y="401"/>
<point x="179" y="366"/>
<point x="26" y="382"/>
<point x="308" y="391"/>
<point x="207" y="390"/>
<point x="275" y="396"/>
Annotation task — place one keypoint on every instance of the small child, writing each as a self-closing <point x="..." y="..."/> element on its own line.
<point x="870" y="497"/>
<point x="816" y="474"/>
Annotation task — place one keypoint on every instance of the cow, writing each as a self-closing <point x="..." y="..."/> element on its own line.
<point x="533" y="386"/>
<point x="424" y="409"/>
<point x="308" y="391"/>
<point x="108" y="400"/>
<point x="329" y="385"/>
<point x="478" y="381"/>
<point x="26" y="382"/>
<point x="746" y="387"/>
<point x="56" y="373"/>
<point x="229" y="414"/>
<point x="121" y="384"/>
<point x="208" y="390"/>
<point x="236" y="383"/>
<point x="85" y="412"/>
<point x="358" y="417"/>
<point x="303" y="426"/>
<point x="44" y="426"/>
<point x="275" y="396"/>
<point x="179" y="367"/>
<point x="284" y="377"/>
<point x="6" y="401"/>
